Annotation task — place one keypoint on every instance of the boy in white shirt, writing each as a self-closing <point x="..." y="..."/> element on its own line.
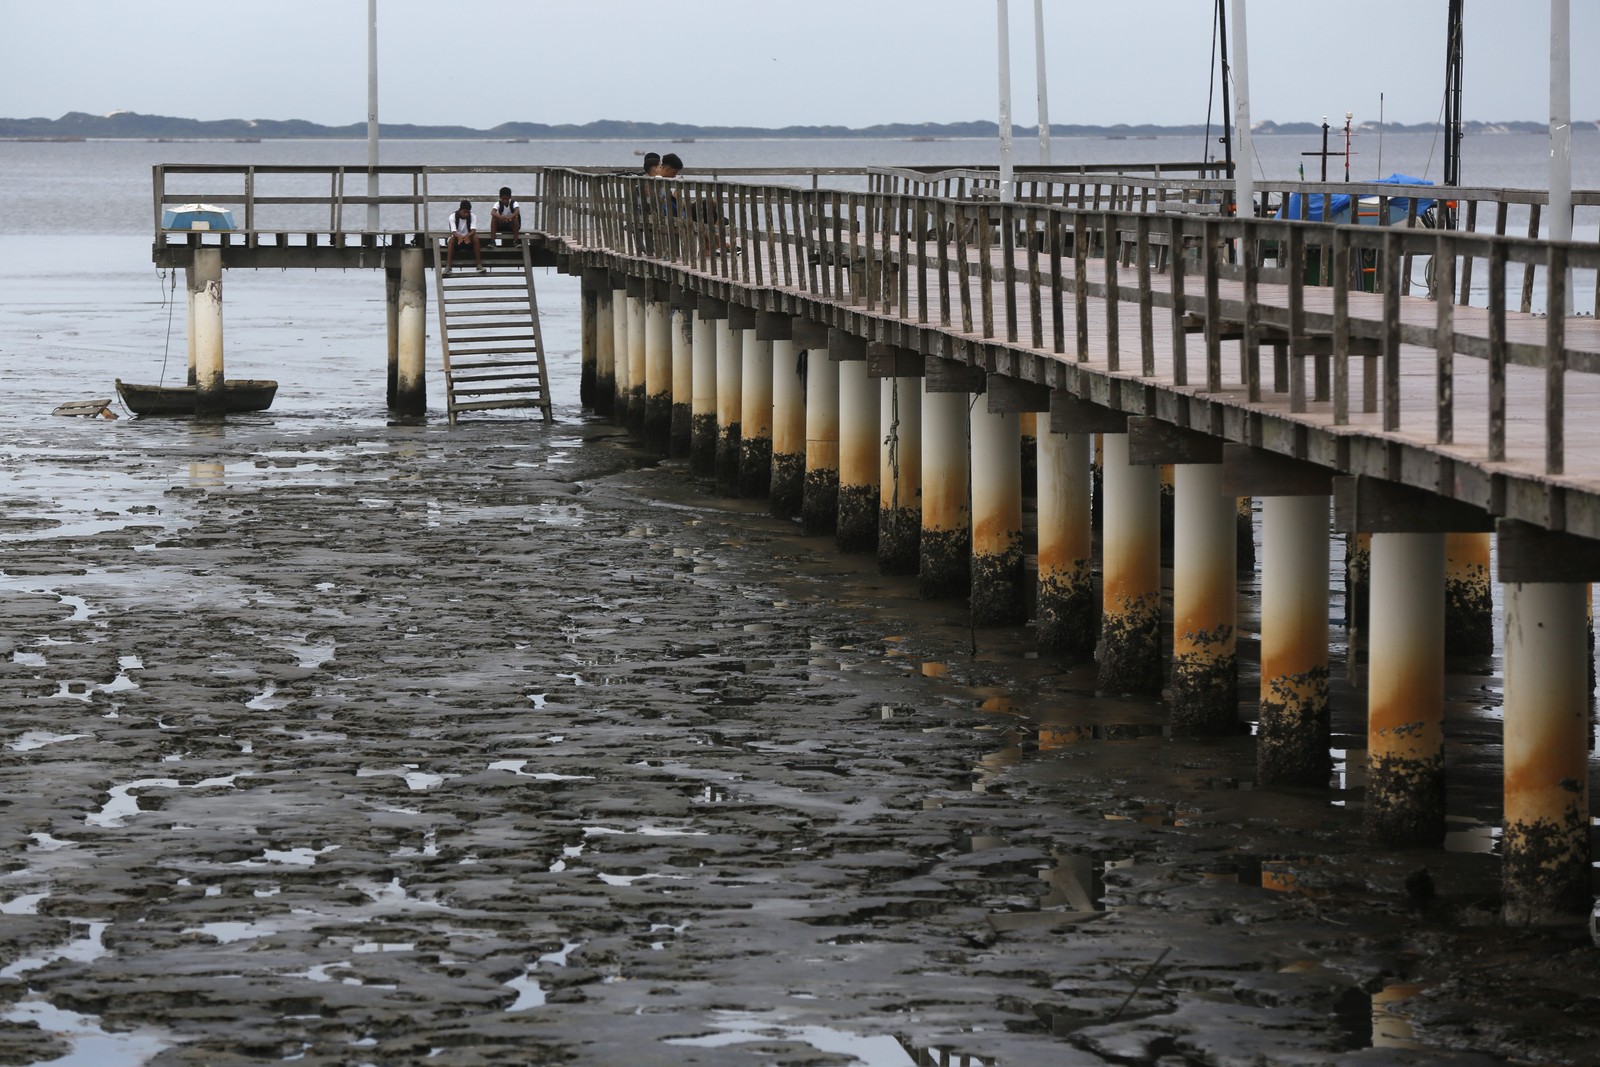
<point x="463" y="231"/>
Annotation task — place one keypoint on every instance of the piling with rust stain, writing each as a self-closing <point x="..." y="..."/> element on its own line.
<point x="857" y="529"/>
<point x="944" y="547"/>
<point x="1205" y="666"/>
<point x="1067" y="617"/>
<point x="703" y="402"/>
<point x="605" y="354"/>
<point x="1468" y="596"/>
<point x="787" y="492"/>
<point x="680" y="439"/>
<point x="997" y="572"/>
<point x="730" y="393"/>
<point x="1293" y="735"/>
<point x="657" y="422"/>
<point x="819" y="507"/>
<point x="633" y="416"/>
<point x="899" y="475"/>
<point x="1405" y="691"/>
<point x="755" y="417"/>
<point x="1545" y="843"/>
<point x="210" y="396"/>
<point x="1130" y="621"/>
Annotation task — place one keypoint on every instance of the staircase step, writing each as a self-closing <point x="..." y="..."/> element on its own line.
<point x="487" y="405"/>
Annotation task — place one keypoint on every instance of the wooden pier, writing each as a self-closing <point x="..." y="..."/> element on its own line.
<point x="1304" y="365"/>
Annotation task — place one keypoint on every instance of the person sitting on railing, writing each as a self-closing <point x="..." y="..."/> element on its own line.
<point x="506" y="214"/>
<point x="463" y="231"/>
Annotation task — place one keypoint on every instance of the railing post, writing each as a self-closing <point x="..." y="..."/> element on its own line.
<point x="1555" y="382"/>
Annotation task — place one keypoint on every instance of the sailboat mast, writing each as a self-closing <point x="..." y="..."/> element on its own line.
<point x="1227" y="107"/>
<point x="1452" y="94"/>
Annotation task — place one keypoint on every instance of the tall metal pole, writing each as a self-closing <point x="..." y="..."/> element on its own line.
<point x="1244" y="190"/>
<point x="1560" y="122"/>
<point x="1007" y="191"/>
<point x="372" y="113"/>
<point x="1227" y="72"/>
<point x="1044" y="92"/>
<point x="1452" y="95"/>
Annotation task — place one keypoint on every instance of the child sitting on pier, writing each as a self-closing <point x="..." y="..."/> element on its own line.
<point x="463" y="231"/>
<point x="506" y="215"/>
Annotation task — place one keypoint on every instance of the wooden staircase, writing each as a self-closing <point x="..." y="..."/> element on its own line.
<point x="489" y="329"/>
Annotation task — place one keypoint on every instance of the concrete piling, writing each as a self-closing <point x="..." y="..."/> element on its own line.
<point x="1067" y="618"/>
<point x="621" y="346"/>
<point x="1545" y="842"/>
<point x="633" y="414"/>
<point x="605" y="373"/>
<point x="703" y="390"/>
<point x="680" y="437"/>
<point x="657" y="395"/>
<point x="210" y="398"/>
<point x="391" y="324"/>
<point x="730" y="390"/>
<point x="1468" y="596"/>
<point x="998" y="596"/>
<point x="1405" y="691"/>
<point x="819" y="507"/>
<point x="787" y="487"/>
<point x="1130" y="621"/>
<point x="899" y="474"/>
<point x="859" y="448"/>
<point x="189" y="286"/>
<point x="1205" y="667"/>
<point x="411" y="387"/>
<point x="1293" y="734"/>
<point x="944" y="567"/>
<point x="755" y="417"/>
<point x="588" y="312"/>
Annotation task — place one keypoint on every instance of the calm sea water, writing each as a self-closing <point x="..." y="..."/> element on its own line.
<point x="81" y="303"/>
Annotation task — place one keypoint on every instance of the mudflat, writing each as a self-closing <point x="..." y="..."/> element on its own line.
<point x="349" y="744"/>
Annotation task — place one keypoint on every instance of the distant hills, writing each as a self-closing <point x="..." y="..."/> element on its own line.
<point x="77" y="125"/>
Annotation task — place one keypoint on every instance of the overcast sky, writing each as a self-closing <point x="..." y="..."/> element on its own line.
<point x="769" y="62"/>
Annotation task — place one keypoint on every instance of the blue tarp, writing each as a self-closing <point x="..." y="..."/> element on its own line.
<point x="1339" y="204"/>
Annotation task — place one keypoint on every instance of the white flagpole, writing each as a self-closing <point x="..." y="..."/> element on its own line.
<point x="1044" y="92"/>
<point x="1007" y="185"/>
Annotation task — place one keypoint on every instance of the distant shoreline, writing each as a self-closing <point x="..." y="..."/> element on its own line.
<point x="131" y="126"/>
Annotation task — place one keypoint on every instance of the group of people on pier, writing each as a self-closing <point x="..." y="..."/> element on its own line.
<point x="505" y="217"/>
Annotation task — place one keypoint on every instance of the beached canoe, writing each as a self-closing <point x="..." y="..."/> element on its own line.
<point x="242" y="394"/>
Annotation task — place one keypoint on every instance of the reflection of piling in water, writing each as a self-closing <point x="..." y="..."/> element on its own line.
<point x="788" y="429"/>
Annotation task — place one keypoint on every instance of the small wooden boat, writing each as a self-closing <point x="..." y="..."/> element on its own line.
<point x="241" y="394"/>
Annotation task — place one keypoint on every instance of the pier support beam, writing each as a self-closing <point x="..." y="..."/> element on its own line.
<point x="900" y="473"/>
<point x="998" y="596"/>
<point x="1545" y="843"/>
<point x="391" y="324"/>
<point x="605" y="373"/>
<point x="188" y="278"/>
<point x="1130" y="563"/>
<point x="788" y="429"/>
<point x="589" y="311"/>
<point x="657" y="423"/>
<point x="703" y="408"/>
<point x="1405" y="690"/>
<point x="945" y="547"/>
<point x="210" y="398"/>
<point x="730" y="389"/>
<point x="1405" y="530"/>
<point x="819" y="508"/>
<point x="755" y="416"/>
<point x="411" y="385"/>
<point x="619" y="335"/>
<point x="680" y="438"/>
<point x="1205" y="571"/>
<point x="1066" y="615"/>
<point x="859" y="445"/>
<point x="1292" y="733"/>
<point x="633" y="413"/>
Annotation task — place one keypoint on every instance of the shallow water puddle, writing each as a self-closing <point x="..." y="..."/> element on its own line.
<point x="416" y="780"/>
<point x="740" y="1027"/>
<point x="34" y="739"/>
<point x="122" y="804"/>
<point x="515" y="767"/>
<point x="530" y="994"/>
<point x="90" y="1046"/>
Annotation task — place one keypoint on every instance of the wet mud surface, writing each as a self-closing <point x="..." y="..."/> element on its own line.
<point x="391" y="745"/>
